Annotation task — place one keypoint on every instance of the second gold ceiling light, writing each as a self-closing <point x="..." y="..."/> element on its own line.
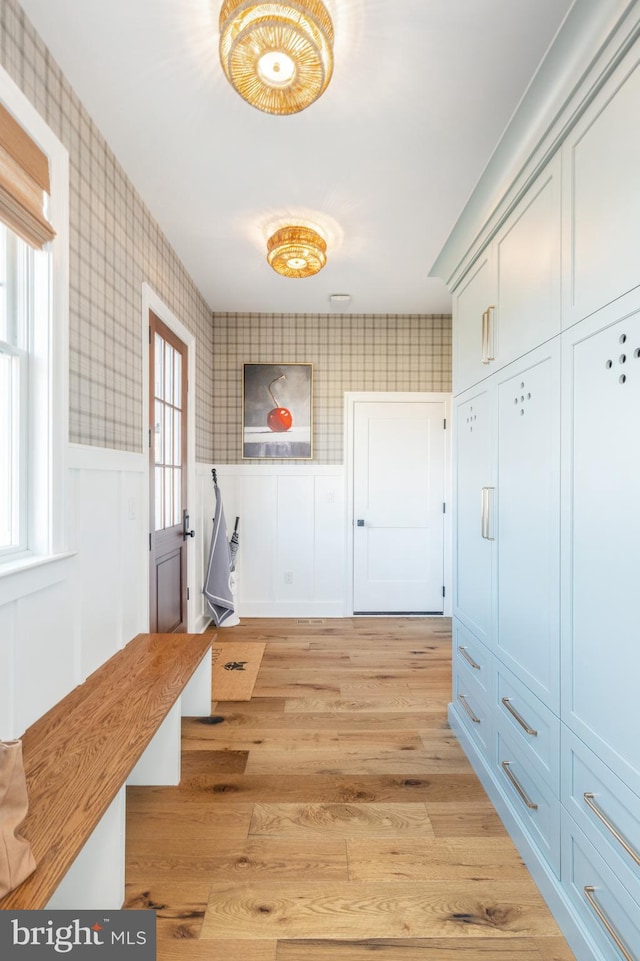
<point x="278" y="56"/>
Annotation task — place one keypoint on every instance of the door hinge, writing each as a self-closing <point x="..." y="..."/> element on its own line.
<point x="149" y="541"/>
<point x="444" y="592"/>
<point x="444" y="507"/>
<point x="187" y="593"/>
<point x="149" y="333"/>
<point x="444" y="426"/>
<point x="149" y="438"/>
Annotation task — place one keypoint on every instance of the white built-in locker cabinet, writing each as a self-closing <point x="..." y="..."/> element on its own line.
<point x="510" y="300"/>
<point x="527" y="265"/>
<point x="546" y="339"/>
<point x="473" y="493"/>
<point x="601" y="160"/>
<point x="602" y="496"/>
<point x="528" y="521"/>
<point x="471" y="301"/>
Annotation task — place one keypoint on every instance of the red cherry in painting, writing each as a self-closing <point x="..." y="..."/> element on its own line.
<point x="279" y="419"/>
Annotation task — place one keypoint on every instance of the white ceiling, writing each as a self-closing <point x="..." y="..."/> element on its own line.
<point x="383" y="162"/>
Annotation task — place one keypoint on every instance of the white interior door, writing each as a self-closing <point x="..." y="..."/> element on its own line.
<point x="398" y="498"/>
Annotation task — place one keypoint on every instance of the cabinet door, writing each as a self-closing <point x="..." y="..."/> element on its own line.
<point x="528" y="508"/>
<point x="473" y="501"/>
<point x="471" y="300"/>
<point x="602" y="196"/>
<point x="528" y="268"/>
<point x="601" y="671"/>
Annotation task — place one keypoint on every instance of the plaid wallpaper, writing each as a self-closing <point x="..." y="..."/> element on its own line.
<point x="349" y="352"/>
<point x="115" y="245"/>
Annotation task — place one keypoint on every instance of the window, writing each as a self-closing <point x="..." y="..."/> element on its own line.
<point x="34" y="170"/>
<point x="16" y="338"/>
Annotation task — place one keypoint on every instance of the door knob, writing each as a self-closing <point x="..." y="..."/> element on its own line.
<point x="185" y="526"/>
<point x="360" y="522"/>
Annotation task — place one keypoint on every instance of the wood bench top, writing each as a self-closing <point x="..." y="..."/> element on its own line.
<point x="79" y="754"/>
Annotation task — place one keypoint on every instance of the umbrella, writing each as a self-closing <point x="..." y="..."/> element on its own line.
<point x="217" y="588"/>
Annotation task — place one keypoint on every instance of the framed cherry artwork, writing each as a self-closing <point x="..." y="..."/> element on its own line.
<point x="277" y="411"/>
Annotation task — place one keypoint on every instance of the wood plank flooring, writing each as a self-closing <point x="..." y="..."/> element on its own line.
<point x="334" y="816"/>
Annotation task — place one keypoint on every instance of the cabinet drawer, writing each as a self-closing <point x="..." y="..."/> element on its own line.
<point x="604" y="807"/>
<point x="606" y="908"/>
<point x="536" y="728"/>
<point x="471" y="655"/>
<point x="474" y="708"/>
<point x="530" y="797"/>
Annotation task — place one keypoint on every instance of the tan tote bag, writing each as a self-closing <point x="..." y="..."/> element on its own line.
<point x="16" y="858"/>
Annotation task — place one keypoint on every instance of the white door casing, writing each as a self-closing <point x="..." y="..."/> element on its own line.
<point x="398" y="480"/>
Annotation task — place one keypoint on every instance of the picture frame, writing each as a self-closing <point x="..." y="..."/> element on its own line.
<point x="277" y="411"/>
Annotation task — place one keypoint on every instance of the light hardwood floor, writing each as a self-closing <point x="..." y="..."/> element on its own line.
<point x="334" y="817"/>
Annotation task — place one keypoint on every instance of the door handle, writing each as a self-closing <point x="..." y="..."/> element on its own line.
<point x="360" y="522"/>
<point x="185" y="526"/>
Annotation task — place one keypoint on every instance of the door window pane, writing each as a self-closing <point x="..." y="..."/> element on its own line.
<point x="158" y="361"/>
<point x="168" y="373"/>
<point x="159" y="432"/>
<point x="177" y="380"/>
<point x="159" y="502"/>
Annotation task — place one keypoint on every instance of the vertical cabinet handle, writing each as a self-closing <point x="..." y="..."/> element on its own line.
<point x="606" y="923"/>
<point x="491" y="347"/>
<point x="485" y="337"/>
<point x="485" y="514"/>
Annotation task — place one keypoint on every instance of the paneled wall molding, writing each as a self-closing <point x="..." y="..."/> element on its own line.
<point x="291" y="560"/>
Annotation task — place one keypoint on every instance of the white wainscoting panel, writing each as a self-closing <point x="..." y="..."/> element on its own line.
<point x="107" y="530"/>
<point x="61" y="617"/>
<point x="7" y="660"/>
<point x="46" y="649"/>
<point x="291" y="561"/>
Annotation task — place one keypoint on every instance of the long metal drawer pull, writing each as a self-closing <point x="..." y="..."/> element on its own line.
<point x="490" y="356"/>
<point x="483" y="513"/>
<point x="506" y="767"/>
<point x="463" y="701"/>
<point x="488" y="514"/>
<point x="519" y="718"/>
<point x="469" y="659"/>
<point x="611" y="931"/>
<point x="485" y="337"/>
<point x="589" y="801"/>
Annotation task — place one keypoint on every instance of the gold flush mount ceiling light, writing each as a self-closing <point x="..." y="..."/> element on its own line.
<point x="278" y="56"/>
<point x="296" y="251"/>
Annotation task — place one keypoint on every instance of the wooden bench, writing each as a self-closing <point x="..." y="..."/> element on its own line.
<point x="80" y="754"/>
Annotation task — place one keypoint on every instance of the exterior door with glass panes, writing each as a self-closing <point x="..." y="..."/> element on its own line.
<point x="169" y="520"/>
